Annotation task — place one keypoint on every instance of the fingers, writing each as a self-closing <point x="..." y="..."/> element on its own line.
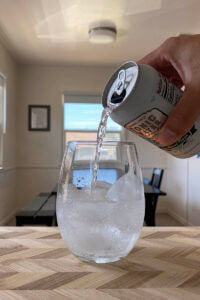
<point x="152" y="59"/>
<point x="181" y="119"/>
<point x="160" y="57"/>
<point x="162" y="60"/>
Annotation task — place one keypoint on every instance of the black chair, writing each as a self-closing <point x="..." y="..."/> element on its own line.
<point x="151" y="200"/>
<point x="156" y="178"/>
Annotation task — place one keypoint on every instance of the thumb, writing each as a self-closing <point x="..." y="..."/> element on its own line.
<point x="181" y="119"/>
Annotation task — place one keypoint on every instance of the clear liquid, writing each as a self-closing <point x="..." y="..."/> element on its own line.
<point x="106" y="229"/>
<point x="100" y="136"/>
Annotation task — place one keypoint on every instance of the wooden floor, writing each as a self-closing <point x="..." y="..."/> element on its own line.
<point x="162" y="219"/>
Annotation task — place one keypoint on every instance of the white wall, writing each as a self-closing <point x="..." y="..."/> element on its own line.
<point x="193" y="192"/>
<point x="183" y="186"/>
<point x="8" y="67"/>
<point x="177" y="187"/>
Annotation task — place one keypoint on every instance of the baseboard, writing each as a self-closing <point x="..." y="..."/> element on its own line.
<point x="172" y="214"/>
<point x="5" y="220"/>
<point x="178" y="217"/>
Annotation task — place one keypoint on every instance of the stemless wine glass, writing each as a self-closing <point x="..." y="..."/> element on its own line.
<point x="100" y="224"/>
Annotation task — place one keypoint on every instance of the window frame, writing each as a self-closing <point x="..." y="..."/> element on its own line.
<point x="3" y="118"/>
<point x="82" y="98"/>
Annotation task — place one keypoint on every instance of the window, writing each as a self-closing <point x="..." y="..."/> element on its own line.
<point x="81" y="120"/>
<point x="2" y="115"/>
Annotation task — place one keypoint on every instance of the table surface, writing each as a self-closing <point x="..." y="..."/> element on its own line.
<point x="35" y="264"/>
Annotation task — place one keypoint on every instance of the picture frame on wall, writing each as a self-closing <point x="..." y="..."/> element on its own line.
<point x="39" y="117"/>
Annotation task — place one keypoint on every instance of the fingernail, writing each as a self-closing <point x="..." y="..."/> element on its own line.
<point x="167" y="137"/>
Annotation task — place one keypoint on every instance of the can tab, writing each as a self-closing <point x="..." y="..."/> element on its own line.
<point x="120" y="82"/>
<point x="119" y="90"/>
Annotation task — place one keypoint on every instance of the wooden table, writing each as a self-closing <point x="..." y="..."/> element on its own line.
<point x="35" y="264"/>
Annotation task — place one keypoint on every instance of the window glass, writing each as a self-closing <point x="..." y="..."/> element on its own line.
<point x="85" y="117"/>
<point x="81" y="121"/>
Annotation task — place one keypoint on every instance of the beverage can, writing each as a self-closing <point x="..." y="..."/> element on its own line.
<point x="141" y="100"/>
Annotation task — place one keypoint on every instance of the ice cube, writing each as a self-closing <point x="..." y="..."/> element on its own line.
<point x="77" y="194"/>
<point x="125" y="187"/>
<point x="100" y="190"/>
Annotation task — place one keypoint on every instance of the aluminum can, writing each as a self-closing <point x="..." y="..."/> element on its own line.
<point x="142" y="100"/>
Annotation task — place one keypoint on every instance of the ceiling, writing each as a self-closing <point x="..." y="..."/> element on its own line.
<point x="56" y="31"/>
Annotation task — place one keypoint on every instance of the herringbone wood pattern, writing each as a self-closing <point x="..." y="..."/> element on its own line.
<point x="35" y="264"/>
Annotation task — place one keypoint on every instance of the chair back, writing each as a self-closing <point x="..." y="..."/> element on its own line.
<point x="156" y="178"/>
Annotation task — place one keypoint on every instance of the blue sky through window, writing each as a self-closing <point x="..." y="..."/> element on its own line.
<point x="85" y="117"/>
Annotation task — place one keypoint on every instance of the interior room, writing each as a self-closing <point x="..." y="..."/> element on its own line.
<point x="117" y="219"/>
<point x="48" y="59"/>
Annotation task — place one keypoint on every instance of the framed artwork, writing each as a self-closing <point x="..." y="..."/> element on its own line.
<point x="39" y="117"/>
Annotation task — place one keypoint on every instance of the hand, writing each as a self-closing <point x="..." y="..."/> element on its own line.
<point x="178" y="58"/>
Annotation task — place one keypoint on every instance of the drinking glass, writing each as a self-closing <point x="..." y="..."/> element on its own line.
<point x="101" y="223"/>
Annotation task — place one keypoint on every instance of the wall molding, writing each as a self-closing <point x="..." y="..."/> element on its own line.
<point x="178" y="217"/>
<point x="32" y="166"/>
<point x="39" y="166"/>
<point x="7" y="169"/>
<point x="6" y="219"/>
<point x="175" y="216"/>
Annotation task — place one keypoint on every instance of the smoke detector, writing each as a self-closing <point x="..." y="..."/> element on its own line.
<point x="102" y="33"/>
